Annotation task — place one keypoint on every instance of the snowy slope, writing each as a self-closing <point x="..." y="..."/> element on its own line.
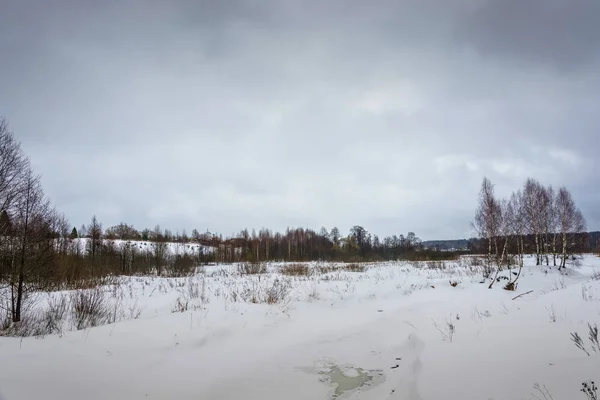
<point x="354" y="335"/>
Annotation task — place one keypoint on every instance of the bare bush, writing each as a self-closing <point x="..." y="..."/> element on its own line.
<point x="5" y="321"/>
<point x="39" y="322"/>
<point x="56" y="313"/>
<point x="251" y="268"/>
<point x="596" y="275"/>
<point x="295" y="269"/>
<point x="256" y="292"/>
<point x="31" y="324"/>
<point x="89" y="308"/>
<point x="436" y="265"/>
<point x="278" y="292"/>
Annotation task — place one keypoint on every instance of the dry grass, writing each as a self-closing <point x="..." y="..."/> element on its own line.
<point x="278" y="292"/>
<point x="251" y="268"/>
<point x="326" y="268"/>
<point x="295" y="269"/>
<point x="89" y="308"/>
<point x="355" y="267"/>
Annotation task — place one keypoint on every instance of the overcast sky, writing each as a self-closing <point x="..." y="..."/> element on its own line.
<point x="222" y="115"/>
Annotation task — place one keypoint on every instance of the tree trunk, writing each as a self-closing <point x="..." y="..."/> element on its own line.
<point x="554" y="248"/>
<point x="17" y="316"/>
<point x="564" y="252"/>
<point x="537" y="250"/>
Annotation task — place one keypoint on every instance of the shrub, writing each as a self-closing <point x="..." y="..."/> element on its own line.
<point x="295" y="269"/>
<point x="89" y="308"/>
<point x="596" y="275"/>
<point x="56" y="312"/>
<point x="31" y="324"/>
<point x="277" y="292"/>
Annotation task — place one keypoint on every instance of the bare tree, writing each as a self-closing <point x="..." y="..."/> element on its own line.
<point x="571" y="223"/>
<point x="547" y="218"/>
<point x="63" y="233"/>
<point x="488" y="220"/>
<point x="159" y="250"/>
<point x="533" y="206"/>
<point x="94" y="231"/>
<point x="13" y="163"/>
<point x="33" y="242"/>
<point x="516" y="221"/>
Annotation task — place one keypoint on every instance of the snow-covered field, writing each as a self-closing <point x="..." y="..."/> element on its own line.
<point x="383" y="333"/>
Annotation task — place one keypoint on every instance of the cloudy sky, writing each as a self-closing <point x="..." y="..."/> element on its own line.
<point x="224" y="114"/>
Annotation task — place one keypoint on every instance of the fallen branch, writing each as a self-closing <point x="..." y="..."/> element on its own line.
<point x="523" y="294"/>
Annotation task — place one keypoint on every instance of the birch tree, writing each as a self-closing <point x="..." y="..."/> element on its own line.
<point x="533" y="198"/>
<point x="487" y="220"/>
<point x="571" y="224"/>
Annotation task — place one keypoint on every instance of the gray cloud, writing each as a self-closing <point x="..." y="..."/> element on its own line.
<point x="233" y="114"/>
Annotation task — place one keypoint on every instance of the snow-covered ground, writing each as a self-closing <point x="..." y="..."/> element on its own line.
<point x="379" y="334"/>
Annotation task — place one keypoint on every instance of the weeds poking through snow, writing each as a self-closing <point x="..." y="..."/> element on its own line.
<point x="590" y="389"/>
<point x="295" y="269"/>
<point x="551" y="313"/>
<point x="546" y="395"/>
<point x="596" y="275"/>
<point x="477" y="315"/>
<point x="579" y="342"/>
<point x="193" y="289"/>
<point x="585" y="294"/>
<point x="314" y="294"/>
<point x="181" y="305"/>
<point x="559" y="284"/>
<point x="447" y="331"/>
<point x="134" y="311"/>
<point x="593" y="337"/>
